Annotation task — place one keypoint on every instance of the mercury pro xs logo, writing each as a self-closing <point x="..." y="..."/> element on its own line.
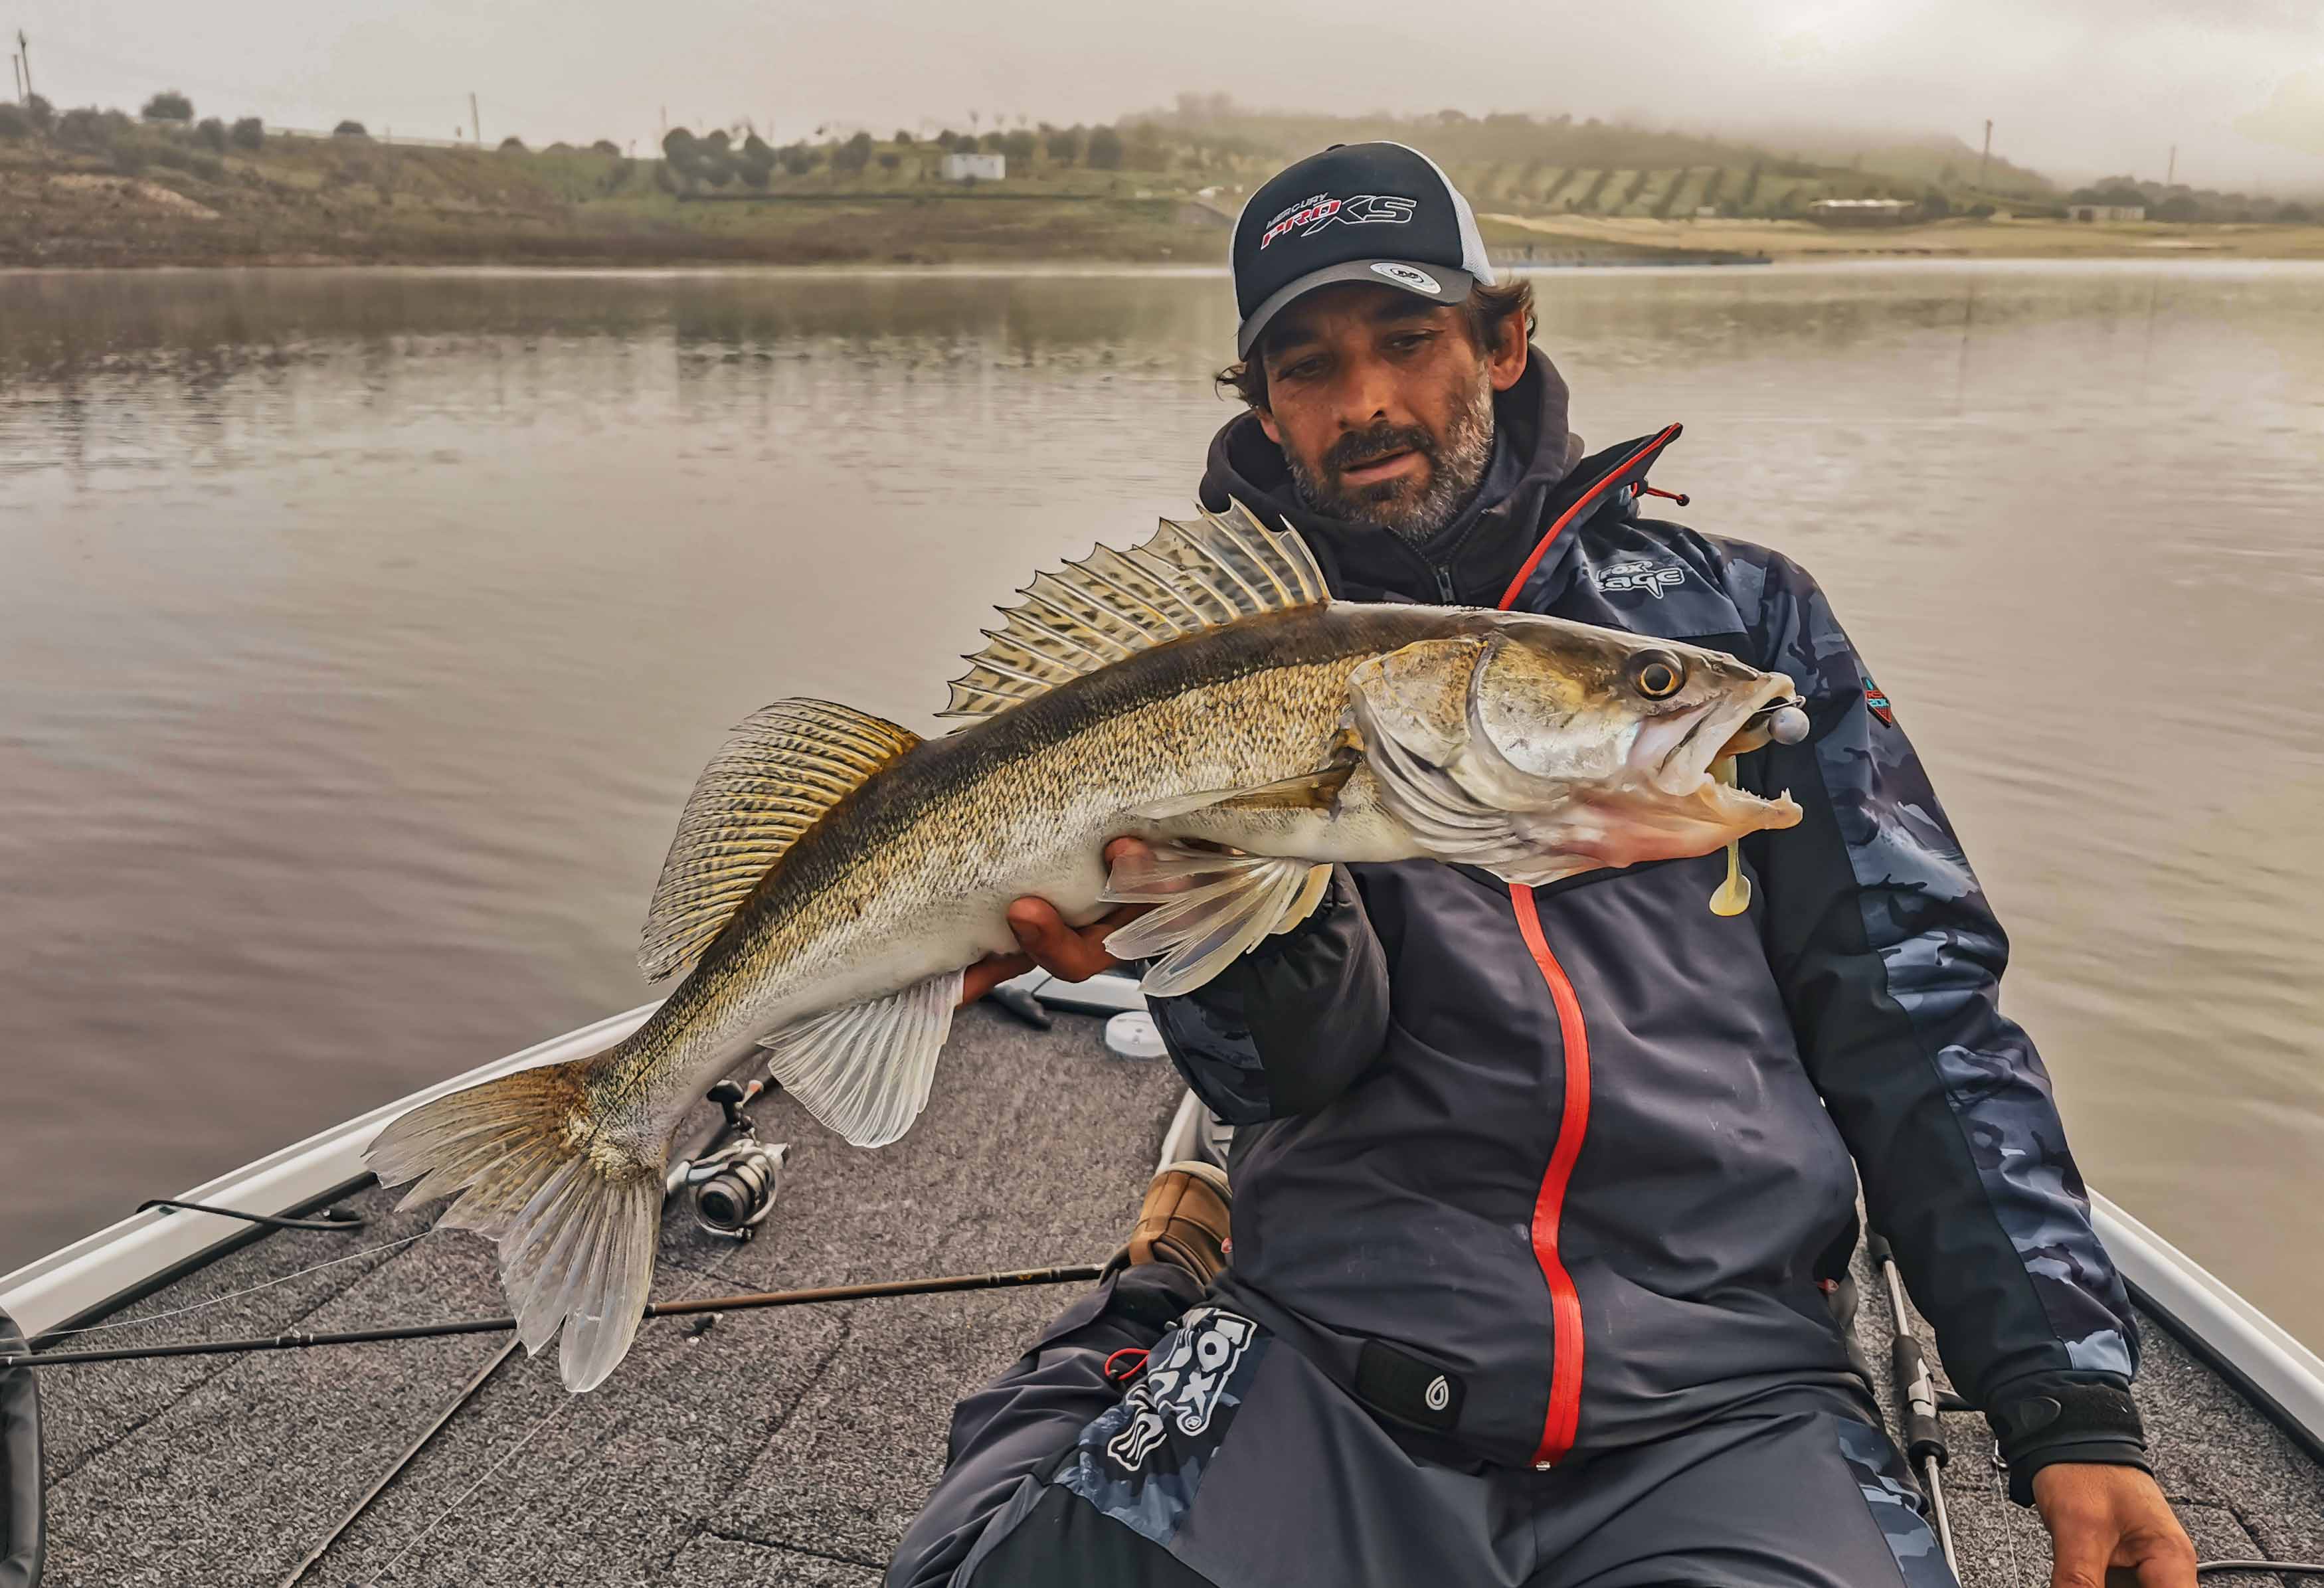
<point x="1312" y="215"/>
<point x="1654" y="578"/>
<point x="1183" y="1386"/>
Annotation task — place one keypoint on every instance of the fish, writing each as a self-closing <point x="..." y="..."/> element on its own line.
<point x="834" y="873"/>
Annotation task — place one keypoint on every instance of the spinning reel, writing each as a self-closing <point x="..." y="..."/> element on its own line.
<point x="731" y="1189"/>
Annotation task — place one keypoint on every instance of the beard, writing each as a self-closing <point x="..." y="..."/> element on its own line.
<point x="1415" y="510"/>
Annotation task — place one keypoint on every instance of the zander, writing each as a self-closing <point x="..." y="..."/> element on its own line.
<point x="834" y="873"/>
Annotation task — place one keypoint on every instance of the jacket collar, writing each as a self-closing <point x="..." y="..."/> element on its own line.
<point x="1535" y="481"/>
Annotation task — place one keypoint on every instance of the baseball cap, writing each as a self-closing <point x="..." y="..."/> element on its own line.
<point x="1357" y="212"/>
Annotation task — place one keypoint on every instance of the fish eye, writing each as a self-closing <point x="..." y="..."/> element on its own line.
<point x="1658" y="675"/>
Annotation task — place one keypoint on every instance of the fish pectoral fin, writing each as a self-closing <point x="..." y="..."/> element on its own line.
<point x="864" y="1068"/>
<point x="1210" y="906"/>
<point x="1303" y="903"/>
<point x="779" y="771"/>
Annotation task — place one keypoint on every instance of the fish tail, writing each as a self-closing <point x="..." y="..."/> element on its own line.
<point x="576" y="1211"/>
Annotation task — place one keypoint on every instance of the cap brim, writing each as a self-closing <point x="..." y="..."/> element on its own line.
<point x="1452" y="286"/>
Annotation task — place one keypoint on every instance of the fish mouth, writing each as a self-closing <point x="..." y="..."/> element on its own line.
<point x="1676" y="753"/>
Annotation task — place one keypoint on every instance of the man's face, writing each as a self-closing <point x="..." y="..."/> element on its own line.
<point x="1383" y="405"/>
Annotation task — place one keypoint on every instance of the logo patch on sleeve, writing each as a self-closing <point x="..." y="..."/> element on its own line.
<point x="1142" y="1462"/>
<point x="1878" y="702"/>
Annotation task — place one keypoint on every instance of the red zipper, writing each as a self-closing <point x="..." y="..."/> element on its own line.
<point x="1563" y="1418"/>
<point x="1670" y="434"/>
<point x="1557" y="1429"/>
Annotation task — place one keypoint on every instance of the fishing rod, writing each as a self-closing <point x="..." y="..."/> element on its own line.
<point x="1924" y="1431"/>
<point x="748" y="1301"/>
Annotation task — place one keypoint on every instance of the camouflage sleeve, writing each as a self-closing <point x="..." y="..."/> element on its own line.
<point x="1289" y="1026"/>
<point x="1890" y="961"/>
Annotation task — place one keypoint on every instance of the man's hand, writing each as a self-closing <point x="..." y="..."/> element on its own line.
<point x="2110" y="1528"/>
<point x="1070" y="953"/>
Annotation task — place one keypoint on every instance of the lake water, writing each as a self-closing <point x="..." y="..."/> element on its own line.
<point x="360" y="634"/>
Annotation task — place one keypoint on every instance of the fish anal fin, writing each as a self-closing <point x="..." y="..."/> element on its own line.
<point x="779" y="772"/>
<point x="1210" y="906"/>
<point x="864" y="1069"/>
<point x="1210" y="570"/>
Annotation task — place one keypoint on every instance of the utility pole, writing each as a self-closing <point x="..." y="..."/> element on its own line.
<point x="14" y="66"/>
<point x="24" y="49"/>
<point x="1987" y="156"/>
<point x="2170" y="174"/>
<point x="476" y="122"/>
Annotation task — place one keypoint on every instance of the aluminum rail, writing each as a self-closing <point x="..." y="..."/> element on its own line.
<point x="2253" y="1352"/>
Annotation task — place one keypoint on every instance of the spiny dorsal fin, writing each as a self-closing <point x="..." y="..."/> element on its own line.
<point x="1112" y="604"/>
<point x="782" y="770"/>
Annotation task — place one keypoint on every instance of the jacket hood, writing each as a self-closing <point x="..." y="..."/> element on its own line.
<point x="1536" y="466"/>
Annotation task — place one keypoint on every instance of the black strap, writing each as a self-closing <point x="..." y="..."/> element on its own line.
<point x="334" y="1218"/>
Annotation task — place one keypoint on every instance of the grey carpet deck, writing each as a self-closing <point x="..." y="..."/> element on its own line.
<point x="786" y="1447"/>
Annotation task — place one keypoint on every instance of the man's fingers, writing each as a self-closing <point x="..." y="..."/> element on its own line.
<point x="1068" y="955"/>
<point x="2164" y="1563"/>
<point x="988" y="972"/>
<point x="2077" y="1553"/>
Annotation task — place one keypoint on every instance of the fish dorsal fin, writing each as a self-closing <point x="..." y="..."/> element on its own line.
<point x="778" y="773"/>
<point x="1112" y="604"/>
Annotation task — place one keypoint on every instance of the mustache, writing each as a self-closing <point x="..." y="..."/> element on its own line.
<point x="1358" y="448"/>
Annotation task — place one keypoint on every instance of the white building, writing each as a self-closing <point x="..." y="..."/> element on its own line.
<point x="2105" y="212"/>
<point x="1861" y="212"/>
<point x="976" y="168"/>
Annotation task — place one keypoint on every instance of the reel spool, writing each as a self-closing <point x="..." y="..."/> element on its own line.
<point x="732" y="1189"/>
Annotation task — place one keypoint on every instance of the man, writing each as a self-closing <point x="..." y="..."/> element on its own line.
<point x="1538" y="1194"/>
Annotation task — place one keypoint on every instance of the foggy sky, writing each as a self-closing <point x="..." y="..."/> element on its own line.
<point x="2076" y="87"/>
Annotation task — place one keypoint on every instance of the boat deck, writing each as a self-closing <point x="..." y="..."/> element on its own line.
<point x="786" y="1446"/>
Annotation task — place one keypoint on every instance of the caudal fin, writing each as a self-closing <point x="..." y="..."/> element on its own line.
<point x="576" y="1214"/>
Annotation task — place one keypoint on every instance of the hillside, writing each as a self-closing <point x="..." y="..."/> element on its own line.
<point x="93" y="188"/>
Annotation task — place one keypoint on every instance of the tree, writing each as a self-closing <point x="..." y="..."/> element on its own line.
<point x="1935" y="205"/>
<point x="606" y="146"/>
<point x="889" y="160"/>
<point x="991" y="142"/>
<point x="758" y="157"/>
<point x="753" y="175"/>
<point x="248" y="132"/>
<point x="169" y="104"/>
<point x="1065" y="145"/>
<point x="2295" y="214"/>
<point x="1105" y="150"/>
<point x="41" y="113"/>
<point x="211" y="134"/>
<point x="512" y="144"/>
<point x="902" y="138"/>
<point x="83" y="129"/>
<point x="798" y="159"/>
<point x="15" y="126"/>
<point x="1018" y="145"/>
<point x="349" y="129"/>
<point x="854" y="155"/>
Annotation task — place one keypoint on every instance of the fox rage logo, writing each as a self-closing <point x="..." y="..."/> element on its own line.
<point x="1184" y="1387"/>
<point x="1656" y="579"/>
<point x="1312" y="215"/>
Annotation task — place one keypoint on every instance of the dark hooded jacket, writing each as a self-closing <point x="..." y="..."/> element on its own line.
<point x="1541" y="1172"/>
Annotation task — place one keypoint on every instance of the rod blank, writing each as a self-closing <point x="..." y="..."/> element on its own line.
<point x="749" y="1301"/>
